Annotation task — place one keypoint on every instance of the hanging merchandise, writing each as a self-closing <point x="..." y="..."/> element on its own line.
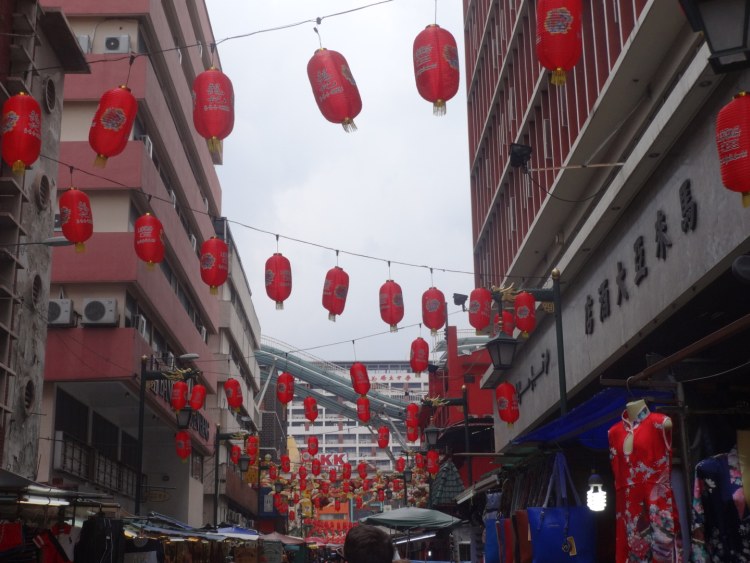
<point x="197" y="397"/>
<point x="214" y="263"/>
<point x="213" y="107"/>
<point x="335" y="290"/>
<point x="433" y="309"/>
<point x="346" y="470"/>
<point x="558" y="36"/>
<point x="525" y="307"/>
<point x="312" y="445"/>
<point x="278" y="279"/>
<point x="112" y="124"/>
<point x="251" y="446"/>
<point x="362" y="469"/>
<point x="400" y="464"/>
<point x="235" y="454"/>
<point x="311" y="408"/>
<point x="412" y="433"/>
<point x="76" y="219"/>
<point x="149" y="239"/>
<point x="508" y="323"/>
<point x="391" y="304"/>
<point x="183" y="444"/>
<point x="480" y="309"/>
<point x="733" y="143"/>
<point x="332" y="477"/>
<point x="21" y="140"/>
<point x="360" y="378"/>
<point x="507" y="402"/>
<point x="419" y="461"/>
<point x="234" y="394"/>
<point x="433" y="462"/>
<point x="420" y="355"/>
<point x="363" y="409"/>
<point x="286" y="463"/>
<point x="412" y="414"/>
<point x="334" y="88"/>
<point x="315" y="466"/>
<point x="436" y="66"/>
<point x="179" y="397"/>
<point x="285" y="388"/>
<point x="384" y="437"/>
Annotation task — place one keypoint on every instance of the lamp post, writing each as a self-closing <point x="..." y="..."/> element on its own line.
<point x="432" y="432"/>
<point x="549" y="295"/>
<point x="407" y="475"/>
<point x="156" y="375"/>
<point x="261" y="466"/>
<point x="244" y="464"/>
<point x="726" y="27"/>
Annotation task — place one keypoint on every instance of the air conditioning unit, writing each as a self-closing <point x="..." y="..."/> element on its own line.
<point x="60" y="313"/>
<point x="148" y="145"/>
<point x="117" y="44"/>
<point x="85" y="42"/>
<point x="100" y="311"/>
<point x="139" y="322"/>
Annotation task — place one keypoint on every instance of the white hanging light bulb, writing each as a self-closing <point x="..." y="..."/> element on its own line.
<point x="596" y="497"/>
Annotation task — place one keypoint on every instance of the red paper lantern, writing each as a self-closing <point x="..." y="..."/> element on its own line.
<point x="334" y="88"/>
<point x="358" y="502"/>
<point x="197" y="397"/>
<point x="303" y="483"/>
<point x="412" y="433"/>
<point x="400" y="464"/>
<point x="273" y="472"/>
<point x="480" y="309"/>
<point x="286" y="463"/>
<point x="312" y="445"/>
<point x="363" y="409"/>
<point x="235" y="454"/>
<point x="335" y="290"/>
<point x="525" y="307"/>
<point x="213" y="107"/>
<point x="436" y="66"/>
<point x="251" y="445"/>
<point x="366" y="484"/>
<point x="558" y="36"/>
<point x="381" y="495"/>
<point x="346" y="486"/>
<point x="433" y="462"/>
<point x="391" y="304"/>
<point x="112" y="124"/>
<point x="311" y="408"/>
<point x="507" y="402"/>
<point x="384" y="436"/>
<point x="75" y="217"/>
<point x="362" y="469"/>
<point x="433" y="309"/>
<point x="278" y="279"/>
<point x="420" y="355"/>
<point x="21" y="140"/>
<point x="302" y="474"/>
<point x="733" y="142"/>
<point x="508" y="323"/>
<point x="332" y="477"/>
<point x="292" y="515"/>
<point x="183" y="445"/>
<point x="360" y="379"/>
<point x="295" y="498"/>
<point x="149" y="239"/>
<point x="285" y="388"/>
<point x="337" y="504"/>
<point x="234" y="394"/>
<point x="179" y="396"/>
<point x="214" y="263"/>
<point x="396" y="485"/>
<point x="412" y="414"/>
<point x="419" y="461"/>
<point x="252" y="459"/>
<point x="346" y="470"/>
<point x="315" y="466"/>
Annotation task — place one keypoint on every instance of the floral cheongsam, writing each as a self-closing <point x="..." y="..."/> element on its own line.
<point x="647" y="527"/>
<point x="721" y="519"/>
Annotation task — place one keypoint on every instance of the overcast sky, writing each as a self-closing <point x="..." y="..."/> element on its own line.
<point x="397" y="189"/>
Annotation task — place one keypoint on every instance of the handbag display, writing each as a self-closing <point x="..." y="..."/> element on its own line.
<point x="563" y="533"/>
<point x="524" y="548"/>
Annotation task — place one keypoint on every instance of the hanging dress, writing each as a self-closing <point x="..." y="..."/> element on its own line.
<point x="647" y="526"/>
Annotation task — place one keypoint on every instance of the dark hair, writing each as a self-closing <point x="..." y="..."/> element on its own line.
<point x="367" y="544"/>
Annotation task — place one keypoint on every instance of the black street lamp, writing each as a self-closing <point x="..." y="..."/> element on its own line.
<point x="184" y="423"/>
<point x="244" y="463"/>
<point x="502" y="351"/>
<point x="726" y="26"/>
<point x="431" y="433"/>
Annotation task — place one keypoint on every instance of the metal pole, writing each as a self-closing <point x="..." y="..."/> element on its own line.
<point x="139" y="459"/>
<point x="467" y="436"/>
<point x="560" y="346"/>
<point x="216" y="476"/>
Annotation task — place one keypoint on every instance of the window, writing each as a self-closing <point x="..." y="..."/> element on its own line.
<point x="104" y="436"/>
<point x="196" y="467"/>
<point x="129" y="450"/>
<point x="72" y="416"/>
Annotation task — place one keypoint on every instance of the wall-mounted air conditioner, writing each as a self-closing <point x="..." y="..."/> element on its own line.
<point x="100" y="311"/>
<point x="117" y="44"/>
<point x="60" y="312"/>
<point x="85" y="42"/>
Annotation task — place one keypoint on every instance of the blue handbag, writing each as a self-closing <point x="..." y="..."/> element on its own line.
<point x="564" y="533"/>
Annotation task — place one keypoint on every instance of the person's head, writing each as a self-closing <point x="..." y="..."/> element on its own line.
<point x="367" y="544"/>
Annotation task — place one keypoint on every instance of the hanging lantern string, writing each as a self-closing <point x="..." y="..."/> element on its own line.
<point x="70" y="168"/>
<point x="435" y="12"/>
<point x="277" y="244"/>
<point x="315" y="29"/>
<point x="130" y="67"/>
<point x="432" y="282"/>
<point x="354" y="348"/>
<point x="337" y="258"/>
<point x="213" y="53"/>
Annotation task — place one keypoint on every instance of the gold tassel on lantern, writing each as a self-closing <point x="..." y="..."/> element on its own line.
<point x="438" y="108"/>
<point x="558" y="77"/>
<point x="214" y="290"/>
<point x="18" y="167"/>
<point x="745" y="199"/>
<point x="279" y="305"/>
<point x="100" y="161"/>
<point x="80" y="247"/>
<point x="214" y="145"/>
<point x="348" y="125"/>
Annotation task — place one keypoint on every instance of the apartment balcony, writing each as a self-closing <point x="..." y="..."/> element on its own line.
<point x="237" y="491"/>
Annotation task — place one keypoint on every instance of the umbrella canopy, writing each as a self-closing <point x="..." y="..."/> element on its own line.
<point x="286" y="540"/>
<point x="410" y="517"/>
<point x="238" y="533"/>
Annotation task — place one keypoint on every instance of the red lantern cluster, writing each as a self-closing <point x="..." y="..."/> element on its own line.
<point x="507" y="402"/>
<point x="558" y="36"/>
<point x="213" y="107"/>
<point x="419" y="356"/>
<point x="112" y="124"/>
<point x="149" y="239"/>
<point x="214" y="263"/>
<point x="433" y="309"/>
<point x="286" y="463"/>
<point x="302" y="474"/>
<point x="337" y="504"/>
<point x="362" y="469"/>
<point x="400" y="464"/>
<point x="278" y="279"/>
<point x="733" y="144"/>
<point x="21" y="128"/>
<point x="233" y="391"/>
<point x="334" y="88"/>
<point x="412" y="433"/>
<point x="251" y="445"/>
<point x="346" y="470"/>
<point x="433" y="462"/>
<point x="525" y="307"/>
<point x="412" y="414"/>
<point x="436" y="66"/>
<point x="179" y="397"/>
<point x="480" y="309"/>
<point x="391" y="304"/>
<point x="419" y="461"/>
<point x="183" y="445"/>
<point x="315" y="467"/>
<point x="75" y="217"/>
<point x="363" y="409"/>
<point x="332" y="477"/>
<point x="197" y="396"/>
<point x="273" y="472"/>
<point x="285" y="388"/>
<point x="508" y="323"/>
<point x="360" y="378"/>
<point x="312" y="445"/>
<point x="311" y="408"/>
<point x="384" y="437"/>
<point x="235" y="453"/>
<point x="335" y="290"/>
